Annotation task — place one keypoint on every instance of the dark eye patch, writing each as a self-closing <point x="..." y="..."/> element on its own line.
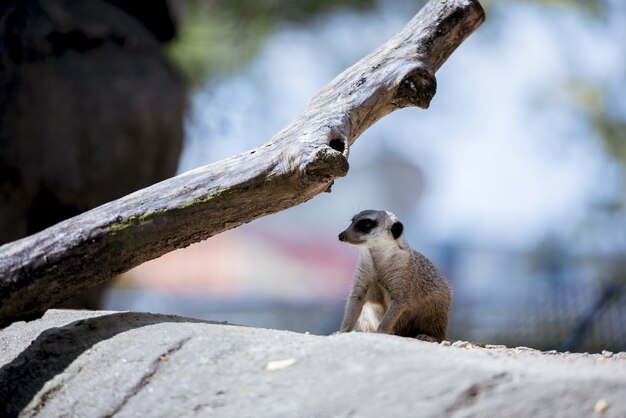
<point x="365" y="225"/>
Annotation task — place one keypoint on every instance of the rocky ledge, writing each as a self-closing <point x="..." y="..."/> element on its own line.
<point x="104" y="364"/>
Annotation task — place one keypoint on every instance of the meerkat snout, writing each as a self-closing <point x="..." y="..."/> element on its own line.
<point x="396" y="290"/>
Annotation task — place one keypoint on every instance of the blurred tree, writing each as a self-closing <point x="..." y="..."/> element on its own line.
<point x="594" y="7"/>
<point x="90" y="108"/>
<point x="219" y="36"/>
<point x="603" y="228"/>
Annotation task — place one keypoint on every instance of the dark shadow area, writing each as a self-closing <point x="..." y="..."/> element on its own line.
<point x="56" y="348"/>
<point x="91" y="109"/>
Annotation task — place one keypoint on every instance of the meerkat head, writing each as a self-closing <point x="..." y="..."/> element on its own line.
<point x="373" y="228"/>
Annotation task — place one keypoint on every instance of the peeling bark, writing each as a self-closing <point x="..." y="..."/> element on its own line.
<point x="299" y="162"/>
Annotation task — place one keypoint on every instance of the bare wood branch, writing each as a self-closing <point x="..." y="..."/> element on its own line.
<point x="296" y="164"/>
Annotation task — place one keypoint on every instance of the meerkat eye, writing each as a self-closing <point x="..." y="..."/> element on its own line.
<point x="396" y="229"/>
<point x="365" y="225"/>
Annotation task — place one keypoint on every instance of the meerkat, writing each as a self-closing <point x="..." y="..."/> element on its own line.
<point x="396" y="290"/>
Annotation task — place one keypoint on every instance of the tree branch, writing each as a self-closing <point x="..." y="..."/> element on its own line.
<point x="296" y="164"/>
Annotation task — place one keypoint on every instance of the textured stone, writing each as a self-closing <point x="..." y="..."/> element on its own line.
<point x="88" y="364"/>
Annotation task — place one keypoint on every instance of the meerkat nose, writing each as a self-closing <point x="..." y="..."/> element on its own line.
<point x="342" y="236"/>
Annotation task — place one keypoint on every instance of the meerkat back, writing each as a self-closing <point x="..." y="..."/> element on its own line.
<point x="431" y="302"/>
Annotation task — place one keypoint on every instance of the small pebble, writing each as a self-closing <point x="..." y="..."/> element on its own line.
<point x="273" y="366"/>
<point x="607" y="353"/>
<point x="494" y="346"/>
<point x="445" y="342"/>
<point x="601" y="406"/>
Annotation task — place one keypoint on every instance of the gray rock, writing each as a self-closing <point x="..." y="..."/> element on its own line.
<point x="100" y="364"/>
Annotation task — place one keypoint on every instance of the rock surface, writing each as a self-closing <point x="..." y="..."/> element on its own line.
<point x="103" y="364"/>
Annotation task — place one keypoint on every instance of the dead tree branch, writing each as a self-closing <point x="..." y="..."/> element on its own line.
<point x="299" y="162"/>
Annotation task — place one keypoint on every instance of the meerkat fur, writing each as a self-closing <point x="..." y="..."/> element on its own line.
<point x="396" y="290"/>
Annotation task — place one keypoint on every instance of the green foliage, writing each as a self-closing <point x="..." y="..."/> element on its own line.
<point x="218" y="37"/>
<point x="613" y="132"/>
<point x="611" y="129"/>
<point x="594" y="7"/>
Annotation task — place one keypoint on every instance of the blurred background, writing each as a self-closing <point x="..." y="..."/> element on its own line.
<point x="512" y="182"/>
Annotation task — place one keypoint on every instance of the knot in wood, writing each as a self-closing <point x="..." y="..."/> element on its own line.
<point x="416" y="89"/>
<point x="327" y="164"/>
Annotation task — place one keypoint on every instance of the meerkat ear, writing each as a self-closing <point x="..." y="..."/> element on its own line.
<point x="396" y="229"/>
